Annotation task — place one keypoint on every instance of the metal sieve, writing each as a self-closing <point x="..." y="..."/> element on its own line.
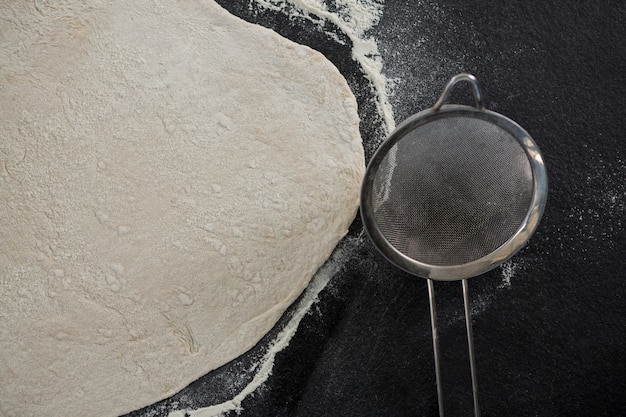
<point x="453" y="192"/>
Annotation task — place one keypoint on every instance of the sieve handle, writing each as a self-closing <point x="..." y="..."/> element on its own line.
<point x="453" y="81"/>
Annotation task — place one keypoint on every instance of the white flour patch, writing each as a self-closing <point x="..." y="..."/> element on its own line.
<point x="507" y="270"/>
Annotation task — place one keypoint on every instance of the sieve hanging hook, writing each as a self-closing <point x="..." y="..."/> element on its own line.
<point x="453" y="192"/>
<point x="478" y="97"/>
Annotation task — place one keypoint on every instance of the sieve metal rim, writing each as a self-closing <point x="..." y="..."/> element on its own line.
<point x="499" y="255"/>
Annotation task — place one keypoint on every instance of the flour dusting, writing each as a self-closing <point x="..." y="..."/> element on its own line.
<point x="507" y="270"/>
<point x="482" y="300"/>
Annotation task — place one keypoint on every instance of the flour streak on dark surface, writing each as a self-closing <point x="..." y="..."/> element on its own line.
<point x="552" y="342"/>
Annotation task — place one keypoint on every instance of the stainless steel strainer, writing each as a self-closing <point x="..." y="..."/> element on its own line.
<point x="452" y="193"/>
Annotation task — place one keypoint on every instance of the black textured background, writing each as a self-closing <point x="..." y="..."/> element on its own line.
<point x="553" y="343"/>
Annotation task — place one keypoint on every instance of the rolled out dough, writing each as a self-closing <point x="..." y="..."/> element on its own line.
<point x="170" y="179"/>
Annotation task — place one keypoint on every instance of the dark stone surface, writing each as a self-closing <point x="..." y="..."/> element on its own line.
<point x="553" y="343"/>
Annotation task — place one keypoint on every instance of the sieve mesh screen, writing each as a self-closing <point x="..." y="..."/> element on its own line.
<point x="452" y="190"/>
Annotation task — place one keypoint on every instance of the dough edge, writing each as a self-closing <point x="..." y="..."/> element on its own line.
<point x="269" y="317"/>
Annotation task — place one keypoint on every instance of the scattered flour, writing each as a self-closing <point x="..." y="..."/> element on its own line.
<point x="481" y="301"/>
<point x="507" y="270"/>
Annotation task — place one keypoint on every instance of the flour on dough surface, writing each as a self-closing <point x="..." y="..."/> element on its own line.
<point x="170" y="179"/>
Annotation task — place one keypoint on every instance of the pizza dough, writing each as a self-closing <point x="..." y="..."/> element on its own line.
<point x="170" y="179"/>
